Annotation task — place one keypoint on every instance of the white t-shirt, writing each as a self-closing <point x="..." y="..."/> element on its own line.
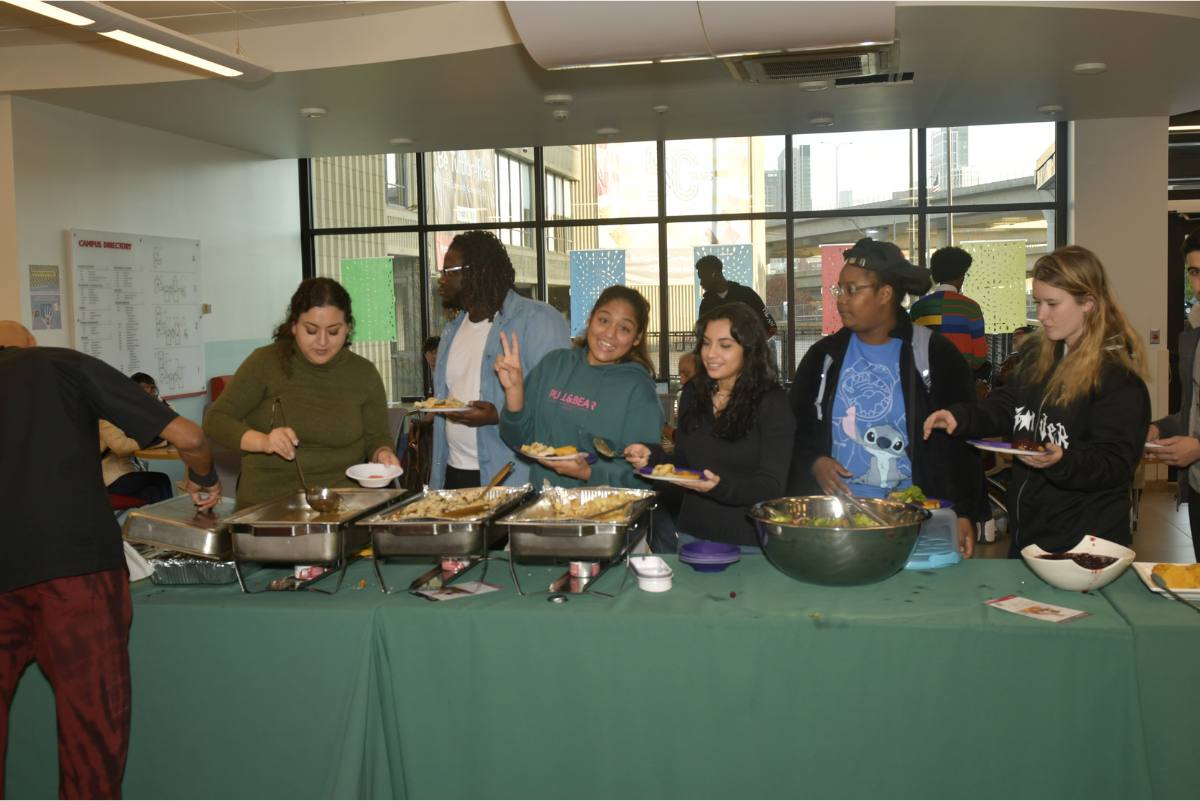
<point x="464" y="364"/>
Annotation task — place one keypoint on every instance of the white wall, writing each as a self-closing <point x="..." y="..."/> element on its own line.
<point x="1119" y="210"/>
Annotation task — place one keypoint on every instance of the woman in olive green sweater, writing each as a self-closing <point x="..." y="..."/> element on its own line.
<point x="333" y="399"/>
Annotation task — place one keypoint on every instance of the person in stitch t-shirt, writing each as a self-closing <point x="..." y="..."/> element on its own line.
<point x="602" y="387"/>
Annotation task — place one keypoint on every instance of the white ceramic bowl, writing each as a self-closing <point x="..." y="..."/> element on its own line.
<point x="373" y="475"/>
<point x="1067" y="574"/>
<point x="653" y="574"/>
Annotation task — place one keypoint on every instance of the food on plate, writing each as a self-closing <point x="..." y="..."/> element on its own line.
<point x="447" y="504"/>
<point x="670" y="471"/>
<point x="914" y="495"/>
<point x="856" y="520"/>
<point x="1029" y="445"/>
<point x="540" y="451"/>
<point x="1180" y="577"/>
<point x="439" y="403"/>
<point x="1089" y="561"/>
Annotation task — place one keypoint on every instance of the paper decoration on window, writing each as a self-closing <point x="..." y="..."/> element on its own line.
<point x="996" y="281"/>
<point x="45" y="297"/>
<point x="831" y="270"/>
<point x="592" y="271"/>
<point x="372" y="297"/>
<point x="737" y="264"/>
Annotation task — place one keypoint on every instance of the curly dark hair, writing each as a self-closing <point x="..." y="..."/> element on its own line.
<point x="949" y="264"/>
<point x="491" y="272"/>
<point x="758" y="376"/>
<point x="311" y="293"/>
<point x="641" y="314"/>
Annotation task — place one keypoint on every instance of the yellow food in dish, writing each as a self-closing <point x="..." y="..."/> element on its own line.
<point x="1180" y="577"/>
<point x="540" y="451"/>
<point x="445" y="503"/>
<point x="669" y="471"/>
<point x="439" y="403"/>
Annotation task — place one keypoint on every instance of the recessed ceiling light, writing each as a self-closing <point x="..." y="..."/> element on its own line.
<point x="871" y="231"/>
<point x="1050" y="109"/>
<point x="813" y="86"/>
<point x="557" y="99"/>
<point x="560" y="114"/>
<point x="821" y="120"/>
<point x="400" y="140"/>
<point x="661" y="108"/>
<point x="313" y="112"/>
<point x="608" y="131"/>
<point x="1090" y="68"/>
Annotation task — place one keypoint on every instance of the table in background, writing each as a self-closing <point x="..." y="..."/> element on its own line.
<point x="738" y="684"/>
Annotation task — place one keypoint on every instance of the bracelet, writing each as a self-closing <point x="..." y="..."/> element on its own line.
<point x="207" y="480"/>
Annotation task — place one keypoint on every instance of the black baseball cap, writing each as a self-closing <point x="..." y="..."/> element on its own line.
<point x="888" y="260"/>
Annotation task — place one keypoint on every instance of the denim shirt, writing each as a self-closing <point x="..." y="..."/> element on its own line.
<point x="540" y="328"/>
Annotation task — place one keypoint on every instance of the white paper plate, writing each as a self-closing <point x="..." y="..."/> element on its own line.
<point x="564" y="458"/>
<point x="1000" y="447"/>
<point x="1144" y="569"/>
<point x="645" y="473"/>
<point x="442" y="409"/>
<point x="383" y="474"/>
<point x="1154" y="445"/>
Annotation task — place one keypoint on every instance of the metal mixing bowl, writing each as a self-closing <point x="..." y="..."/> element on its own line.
<point x="840" y="555"/>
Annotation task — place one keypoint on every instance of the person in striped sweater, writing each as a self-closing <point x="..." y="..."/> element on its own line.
<point x="951" y="313"/>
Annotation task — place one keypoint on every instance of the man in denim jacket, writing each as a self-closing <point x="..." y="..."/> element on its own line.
<point x="477" y="277"/>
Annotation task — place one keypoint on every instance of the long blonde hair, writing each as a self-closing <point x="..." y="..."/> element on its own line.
<point x="1107" y="334"/>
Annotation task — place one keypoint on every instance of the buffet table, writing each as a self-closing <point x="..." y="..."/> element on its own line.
<point x="738" y="684"/>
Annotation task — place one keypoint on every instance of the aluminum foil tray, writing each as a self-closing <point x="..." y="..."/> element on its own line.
<point x="468" y="536"/>
<point x="176" y="525"/>
<point x="536" y="531"/>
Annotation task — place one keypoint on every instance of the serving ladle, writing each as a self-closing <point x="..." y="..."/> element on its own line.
<point x="322" y="499"/>
<point x="604" y="447"/>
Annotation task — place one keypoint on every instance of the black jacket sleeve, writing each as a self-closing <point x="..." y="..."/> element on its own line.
<point x="953" y="385"/>
<point x="812" y="433"/>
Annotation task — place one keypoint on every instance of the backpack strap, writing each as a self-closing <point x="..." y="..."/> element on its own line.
<point x="920" y="345"/>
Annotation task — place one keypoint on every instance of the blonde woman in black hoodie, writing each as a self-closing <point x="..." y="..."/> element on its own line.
<point x="1079" y="393"/>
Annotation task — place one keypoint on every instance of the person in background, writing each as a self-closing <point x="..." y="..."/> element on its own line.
<point x="735" y="425"/>
<point x="122" y="475"/>
<point x="1079" y="400"/>
<point x="477" y="277"/>
<point x="687" y="371"/>
<point x="332" y="400"/>
<point x="601" y="387"/>
<point x="429" y="351"/>
<point x="719" y="290"/>
<point x="860" y="397"/>
<point x="1179" y="434"/>
<point x="64" y="586"/>
<point x="1019" y="337"/>
<point x="951" y="313"/>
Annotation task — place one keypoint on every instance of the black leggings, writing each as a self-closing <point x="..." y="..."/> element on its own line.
<point x="150" y="487"/>
<point x="1193" y="506"/>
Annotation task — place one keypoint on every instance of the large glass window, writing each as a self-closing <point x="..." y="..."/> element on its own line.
<point x="989" y="189"/>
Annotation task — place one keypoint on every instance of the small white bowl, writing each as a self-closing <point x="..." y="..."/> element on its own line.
<point x="653" y="574"/>
<point x="1067" y="574"/>
<point x="373" y="475"/>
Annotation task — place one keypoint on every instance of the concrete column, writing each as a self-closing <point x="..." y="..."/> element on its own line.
<point x="12" y="306"/>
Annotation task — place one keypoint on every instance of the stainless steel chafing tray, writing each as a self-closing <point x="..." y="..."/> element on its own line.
<point x="535" y="532"/>
<point x="286" y="529"/>
<point x="176" y="525"/>
<point x="468" y="536"/>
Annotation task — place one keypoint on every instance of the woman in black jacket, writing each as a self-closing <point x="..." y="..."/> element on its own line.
<point x="1080" y="395"/>
<point x="734" y="424"/>
<point x="860" y="396"/>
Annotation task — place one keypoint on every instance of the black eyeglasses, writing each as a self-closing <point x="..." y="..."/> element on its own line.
<point x="849" y="290"/>
<point x="443" y="270"/>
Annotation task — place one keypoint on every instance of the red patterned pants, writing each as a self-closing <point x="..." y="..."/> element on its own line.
<point x="77" y="629"/>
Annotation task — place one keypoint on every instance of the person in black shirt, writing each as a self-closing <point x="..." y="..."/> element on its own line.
<point x="718" y="291"/>
<point x="64" y="586"/>
<point x="735" y="424"/>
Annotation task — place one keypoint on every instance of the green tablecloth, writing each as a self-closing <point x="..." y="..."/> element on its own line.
<point x="908" y="688"/>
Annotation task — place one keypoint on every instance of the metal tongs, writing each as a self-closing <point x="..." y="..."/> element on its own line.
<point x="322" y="499"/>
<point x="847" y="499"/>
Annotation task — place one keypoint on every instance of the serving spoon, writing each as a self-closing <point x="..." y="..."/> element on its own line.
<point x="323" y="499"/>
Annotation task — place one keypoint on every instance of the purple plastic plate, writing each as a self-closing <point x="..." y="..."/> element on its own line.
<point x="709" y="557"/>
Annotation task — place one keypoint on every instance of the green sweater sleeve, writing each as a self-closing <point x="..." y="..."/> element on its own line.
<point x="225" y="422"/>
<point x="643" y="423"/>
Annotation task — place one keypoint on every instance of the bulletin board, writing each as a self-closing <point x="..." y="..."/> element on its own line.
<point x="137" y="305"/>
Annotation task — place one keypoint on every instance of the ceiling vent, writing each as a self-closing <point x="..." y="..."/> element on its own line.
<point x="821" y="65"/>
<point x="887" y="79"/>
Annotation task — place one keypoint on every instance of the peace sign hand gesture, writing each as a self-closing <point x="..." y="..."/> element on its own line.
<point x="509" y="371"/>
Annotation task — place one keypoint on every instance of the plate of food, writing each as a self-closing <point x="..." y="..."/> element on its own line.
<point x="550" y="453"/>
<point x="1183" y="579"/>
<point x="1010" y="448"/>
<point x="671" y="474"/>
<point x="441" y="405"/>
<point x="916" y="496"/>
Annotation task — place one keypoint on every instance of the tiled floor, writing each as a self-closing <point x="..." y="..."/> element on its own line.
<point x="1163" y="533"/>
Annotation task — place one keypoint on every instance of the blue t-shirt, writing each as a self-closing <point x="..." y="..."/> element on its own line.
<point x="870" y="433"/>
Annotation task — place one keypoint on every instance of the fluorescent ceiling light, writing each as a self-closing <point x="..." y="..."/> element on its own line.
<point x="171" y="52"/>
<point x="54" y="12"/>
<point x="682" y="59"/>
<point x="1184" y="128"/>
